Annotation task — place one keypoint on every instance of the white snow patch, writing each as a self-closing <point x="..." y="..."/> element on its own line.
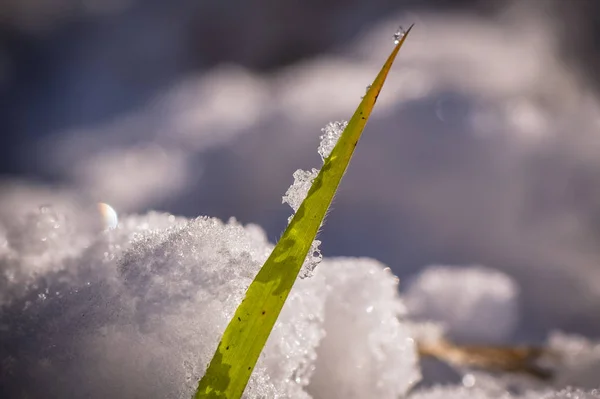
<point x="475" y="304"/>
<point x="378" y="363"/>
<point x="138" y="311"/>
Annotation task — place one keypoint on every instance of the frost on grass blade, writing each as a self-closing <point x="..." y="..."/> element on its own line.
<point x="330" y="136"/>
<point x="303" y="180"/>
<point x="297" y="192"/>
<point x="294" y="196"/>
<point x="247" y="332"/>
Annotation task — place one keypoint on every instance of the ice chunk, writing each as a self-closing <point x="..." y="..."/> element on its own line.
<point x="330" y="136"/>
<point x="355" y="360"/>
<point x="475" y="304"/>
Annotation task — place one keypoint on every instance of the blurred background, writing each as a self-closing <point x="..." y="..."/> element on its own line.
<point x="483" y="149"/>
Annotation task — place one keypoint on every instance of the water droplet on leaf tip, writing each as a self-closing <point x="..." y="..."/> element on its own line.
<point x="399" y="34"/>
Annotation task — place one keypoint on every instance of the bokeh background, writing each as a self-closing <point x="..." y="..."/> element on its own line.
<point x="484" y="147"/>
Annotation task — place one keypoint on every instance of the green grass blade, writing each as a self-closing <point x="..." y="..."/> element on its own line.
<point x="247" y="333"/>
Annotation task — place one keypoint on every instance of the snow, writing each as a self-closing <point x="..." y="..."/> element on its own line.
<point x="468" y="304"/>
<point x="294" y="196"/>
<point x="579" y="363"/>
<point x="331" y="133"/>
<point x="303" y="180"/>
<point x="470" y="156"/>
<point x="138" y="310"/>
<point x="474" y="304"/>
<point x="496" y="178"/>
<point x="474" y="393"/>
<point x="378" y="363"/>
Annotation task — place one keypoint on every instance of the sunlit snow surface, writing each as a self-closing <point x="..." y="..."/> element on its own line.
<point x="137" y="311"/>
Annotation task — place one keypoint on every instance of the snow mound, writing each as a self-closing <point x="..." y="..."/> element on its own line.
<point x="474" y="304"/>
<point x="378" y="363"/>
<point x="137" y="311"/>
